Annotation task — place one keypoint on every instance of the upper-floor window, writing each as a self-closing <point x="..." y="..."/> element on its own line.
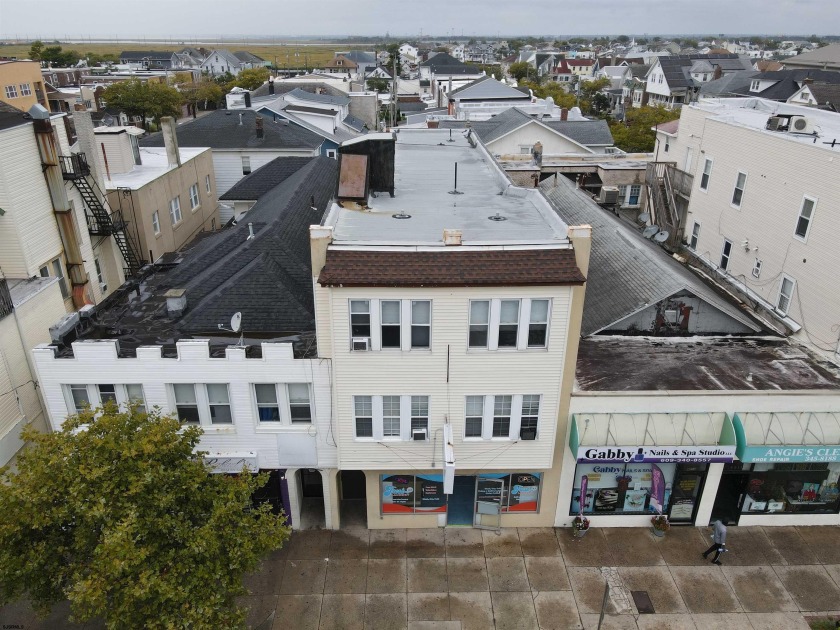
<point x="55" y="270"/>
<point x="394" y="324"/>
<point x="175" y="210"/>
<point x="207" y="186"/>
<point x="738" y="192"/>
<point x="754" y="86"/>
<point x="695" y="236"/>
<point x="806" y="215"/>
<point x="246" y="165"/>
<point x="392" y="417"/>
<point x="206" y="404"/>
<point x="363" y="406"/>
<point x="785" y="294"/>
<point x="156" y="222"/>
<point x="707" y="174"/>
<point x="79" y="395"/>
<point x="11" y="91"/>
<point x="25" y="89"/>
<point x="507" y="416"/>
<point x="194" y="196"/>
<point x="272" y="401"/>
<point x="503" y="323"/>
<point x="725" y="254"/>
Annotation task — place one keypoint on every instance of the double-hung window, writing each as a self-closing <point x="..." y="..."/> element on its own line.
<point x="501" y="416"/>
<point x="134" y="396"/>
<point x="474" y="417"/>
<point x="219" y="402"/>
<point x="156" y="222"/>
<point x="725" y="253"/>
<point x="391" y="416"/>
<point x="707" y="175"/>
<point x="502" y="323"/>
<point x="420" y="414"/>
<point x="390" y="323"/>
<point x="695" y="236"/>
<point x="80" y="397"/>
<point x="421" y="323"/>
<point x="186" y="403"/>
<point x="785" y="294"/>
<point x="246" y="165"/>
<point x="271" y="400"/>
<point x="202" y="404"/>
<point x="300" y="404"/>
<point x="194" y="196"/>
<point x="268" y="408"/>
<point x="57" y="272"/>
<point x="175" y="210"/>
<point x="635" y="193"/>
<point x="107" y="393"/>
<point x="360" y="320"/>
<point x="207" y="186"/>
<point x="530" y="417"/>
<point x="806" y="214"/>
<point x="363" y="406"/>
<point x="11" y="91"/>
<point x="25" y="89"/>
<point x="738" y="192"/>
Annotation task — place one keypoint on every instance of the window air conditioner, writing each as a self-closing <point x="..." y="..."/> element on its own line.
<point x="103" y="287"/>
<point x="527" y="433"/>
<point x="418" y="435"/>
<point x="361" y="343"/>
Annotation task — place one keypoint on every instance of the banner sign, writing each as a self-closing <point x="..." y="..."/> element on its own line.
<point x="656" y="454"/>
<point x="657" y="489"/>
<point x="784" y="454"/>
<point x="231" y="463"/>
<point x="584" y="484"/>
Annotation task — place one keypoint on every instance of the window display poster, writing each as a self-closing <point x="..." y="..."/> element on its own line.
<point x="430" y="496"/>
<point x="397" y="494"/>
<point x="606" y="500"/>
<point x="634" y="500"/>
<point x="682" y="509"/>
<point x="524" y="492"/>
<point x="627" y="483"/>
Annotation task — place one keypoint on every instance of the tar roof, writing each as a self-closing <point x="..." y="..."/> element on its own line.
<point x="267" y="278"/>
<point x="621" y="363"/>
<point x="11" y="116"/>
<point x="221" y="130"/>
<point x="626" y="272"/>
<point x="424" y="176"/>
<point x="265" y="178"/>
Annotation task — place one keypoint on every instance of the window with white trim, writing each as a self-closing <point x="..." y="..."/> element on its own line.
<point x="175" y="210"/>
<point x="80" y="398"/>
<point x="360" y="318"/>
<point x="300" y="403"/>
<point x="363" y="406"/>
<point x="205" y="404"/>
<point x="738" y="192"/>
<point x="268" y="407"/>
<point x="519" y="324"/>
<point x="474" y="419"/>
<point x="194" y="196"/>
<point x="756" y="270"/>
<point x="246" y="165"/>
<point x="725" y="254"/>
<point x="754" y="86"/>
<point x="99" y="395"/>
<point x="530" y="416"/>
<point x="785" y="294"/>
<point x="420" y="414"/>
<point x="218" y="400"/>
<point x="707" y="175"/>
<point x="391" y="416"/>
<point x="134" y="396"/>
<point x="390" y="323"/>
<point x="806" y="215"/>
<point x="107" y="393"/>
<point x="25" y="89"/>
<point x="635" y="195"/>
<point x="11" y="91"/>
<point x="695" y="236"/>
<point x="501" y="416"/>
<point x="421" y="324"/>
<point x="186" y="403"/>
<point x="156" y="222"/>
<point x="207" y="185"/>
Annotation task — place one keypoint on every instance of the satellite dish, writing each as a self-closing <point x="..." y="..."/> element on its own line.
<point x="661" y="237"/>
<point x="643" y="218"/>
<point x="236" y="321"/>
<point x="649" y="231"/>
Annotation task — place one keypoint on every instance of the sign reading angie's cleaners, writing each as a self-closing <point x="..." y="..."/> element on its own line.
<point x="655" y="454"/>
<point x="783" y="454"/>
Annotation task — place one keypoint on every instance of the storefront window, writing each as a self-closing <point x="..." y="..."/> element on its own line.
<point x="619" y="488"/>
<point x="521" y="491"/>
<point x="793" y="488"/>
<point x="412" y="494"/>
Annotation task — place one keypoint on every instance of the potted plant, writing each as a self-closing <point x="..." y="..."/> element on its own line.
<point x="580" y="526"/>
<point x="660" y="524"/>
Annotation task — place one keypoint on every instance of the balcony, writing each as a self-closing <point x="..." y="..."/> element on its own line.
<point x="74" y="166"/>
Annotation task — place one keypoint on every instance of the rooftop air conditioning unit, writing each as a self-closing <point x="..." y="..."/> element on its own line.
<point x="528" y="433"/>
<point x="418" y="435"/>
<point x="361" y="344"/>
<point x="800" y="124"/>
<point x="608" y="195"/>
<point x="774" y="123"/>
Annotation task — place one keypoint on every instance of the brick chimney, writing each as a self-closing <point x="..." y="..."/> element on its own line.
<point x="170" y="140"/>
<point x="807" y="81"/>
<point x="564" y="114"/>
<point x="259" y="122"/>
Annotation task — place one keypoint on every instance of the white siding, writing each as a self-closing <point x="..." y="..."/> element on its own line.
<point x="29" y="237"/>
<point x="228" y="164"/>
<point x="117" y="147"/>
<point x="424" y="372"/>
<point x="528" y="135"/>
<point x="97" y="362"/>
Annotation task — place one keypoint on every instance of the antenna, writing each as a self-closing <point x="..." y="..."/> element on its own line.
<point x="235" y="327"/>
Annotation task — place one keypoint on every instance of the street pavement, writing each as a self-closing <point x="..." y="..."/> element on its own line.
<point x="535" y="579"/>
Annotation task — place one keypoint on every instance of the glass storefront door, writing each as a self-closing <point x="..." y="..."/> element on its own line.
<point x="685" y="492"/>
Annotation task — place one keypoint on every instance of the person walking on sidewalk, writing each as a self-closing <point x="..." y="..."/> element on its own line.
<point x="719" y="545"/>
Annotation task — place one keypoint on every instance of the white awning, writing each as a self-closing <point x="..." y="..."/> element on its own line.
<point x="788" y="437"/>
<point x="649" y="429"/>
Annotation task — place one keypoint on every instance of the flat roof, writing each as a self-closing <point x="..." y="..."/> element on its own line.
<point x="626" y="363"/>
<point x="753" y="113"/>
<point x="23" y="289"/>
<point x="154" y="164"/>
<point x="424" y="176"/>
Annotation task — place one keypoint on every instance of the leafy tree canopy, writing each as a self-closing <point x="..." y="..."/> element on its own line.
<point x="54" y="55"/>
<point x="149" y="100"/>
<point x="118" y="514"/>
<point x="378" y="85"/>
<point x="636" y="133"/>
<point x="553" y="89"/>
<point x="520" y="70"/>
<point x="251" y="78"/>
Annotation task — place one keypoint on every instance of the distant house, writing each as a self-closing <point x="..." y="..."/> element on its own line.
<point x="149" y="59"/>
<point x="365" y="60"/>
<point x="445" y="74"/>
<point x="485" y="93"/>
<point x="819" y="95"/>
<point x="249" y="60"/>
<point x="341" y="64"/>
<point x="779" y="86"/>
<point x="241" y="142"/>
<point x="825" y="58"/>
<point x="379" y="72"/>
<point x="220" y="61"/>
<point x="247" y="191"/>
<point x="673" y="81"/>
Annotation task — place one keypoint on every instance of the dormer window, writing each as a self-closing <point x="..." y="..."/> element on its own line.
<point x="754" y="86"/>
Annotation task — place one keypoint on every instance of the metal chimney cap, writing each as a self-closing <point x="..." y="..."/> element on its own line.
<point x="39" y="112"/>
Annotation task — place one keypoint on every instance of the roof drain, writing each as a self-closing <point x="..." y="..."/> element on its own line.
<point x="401" y="215"/>
<point x="497" y="217"/>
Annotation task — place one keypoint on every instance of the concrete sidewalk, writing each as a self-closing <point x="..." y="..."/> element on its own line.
<point x="539" y="579"/>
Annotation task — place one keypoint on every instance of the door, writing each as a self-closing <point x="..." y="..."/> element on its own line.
<point x="460" y="505"/>
<point x="489" y="498"/>
<point x="685" y="493"/>
<point x="312" y="485"/>
<point x="730" y="497"/>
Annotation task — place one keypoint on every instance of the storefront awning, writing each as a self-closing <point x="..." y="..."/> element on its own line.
<point x="788" y="437"/>
<point x="652" y="437"/>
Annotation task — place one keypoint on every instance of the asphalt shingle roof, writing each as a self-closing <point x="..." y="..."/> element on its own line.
<point x="585" y="132"/>
<point x="221" y="130"/>
<point x="11" y="116"/>
<point x="327" y="99"/>
<point x="487" y="88"/>
<point x="626" y="271"/>
<point x="265" y="178"/>
<point x="268" y="278"/>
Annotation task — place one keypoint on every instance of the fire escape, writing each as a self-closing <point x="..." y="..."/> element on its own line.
<point x="100" y="221"/>
<point x="669" y="190"/>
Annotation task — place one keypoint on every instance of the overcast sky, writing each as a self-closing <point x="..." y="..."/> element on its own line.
<point x="288" y="18"/>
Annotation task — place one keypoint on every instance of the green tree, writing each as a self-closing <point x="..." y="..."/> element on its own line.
<point x="393" y="51"/>
<point x="203" y="92"/>
<point x="636" y="134"/>
<point x="378" y="85"/>
<point x="58" y="57"/>
<point x="117" y="513"/>
<point x="147" y="100"/>
<point x="36" y="49"/>
<point x="520" y="70"/>
<point x="252" y="78"/>
<point x="622" y="39"/>
<point x="553" y="89"/>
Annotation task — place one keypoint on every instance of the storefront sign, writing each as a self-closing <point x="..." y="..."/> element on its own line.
<point x="657" y="454"/>
<point x="412" y="494"/>
<point x="231" y="463"/>
<point x="784" y="454"/>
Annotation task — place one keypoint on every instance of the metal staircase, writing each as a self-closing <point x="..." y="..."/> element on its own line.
<point x="100" y="222"/>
